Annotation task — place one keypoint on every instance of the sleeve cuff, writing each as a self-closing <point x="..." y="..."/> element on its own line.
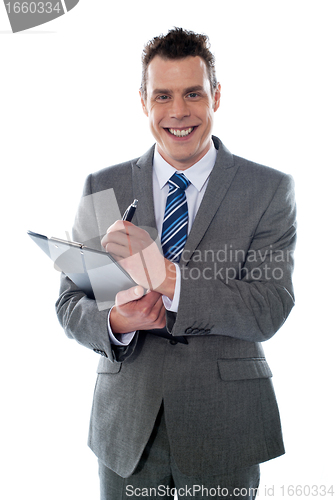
<point x="123" y="339"/>
<point x="172" y="305"/>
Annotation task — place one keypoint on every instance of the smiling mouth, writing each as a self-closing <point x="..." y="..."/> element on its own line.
<point x="181" y="133"/>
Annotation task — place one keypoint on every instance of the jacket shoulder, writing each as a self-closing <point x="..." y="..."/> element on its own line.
<point x="249" y="170"/>
<point x="108" y="177"/>
<point x="254" y="168"/>
<point x="256" y="175"/>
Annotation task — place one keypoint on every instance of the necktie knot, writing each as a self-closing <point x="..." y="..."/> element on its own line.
<point x="178" y="181"/>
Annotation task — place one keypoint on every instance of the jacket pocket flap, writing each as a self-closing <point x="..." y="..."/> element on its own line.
<point x="243" y="369"/>
<point x="106" y="366"/>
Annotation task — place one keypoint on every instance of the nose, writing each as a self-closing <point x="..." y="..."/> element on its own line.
<point x="179" y="108"/>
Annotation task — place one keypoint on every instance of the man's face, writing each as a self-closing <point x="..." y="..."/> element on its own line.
<point x="180" y="107"/>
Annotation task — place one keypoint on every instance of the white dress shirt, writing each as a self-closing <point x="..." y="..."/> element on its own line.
<point x="198" y="175"/>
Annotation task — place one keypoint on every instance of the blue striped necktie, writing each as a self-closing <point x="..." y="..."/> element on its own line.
<point x="175" y="221"/>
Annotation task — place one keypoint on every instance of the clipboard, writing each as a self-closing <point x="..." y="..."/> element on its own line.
<point x="95" y="272"/>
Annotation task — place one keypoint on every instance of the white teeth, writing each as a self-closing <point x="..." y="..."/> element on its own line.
<point x="181" y="133"/>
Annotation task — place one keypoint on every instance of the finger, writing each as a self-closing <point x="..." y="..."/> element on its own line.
<point x="159" y="309"/>
<point x="120" y="225"/>
<point x="125" y="296"/>
<point x="152" y="297"/>
<point x="158" y="315"/>
<point x="149" y="304"/>
<point x="127" y="228"/>
<point x="117" y="251"/>
<point x="120" y="245"/>
<point x="119" y="237"/>
<point x="152" y="313"/>
<point x="162" y="318"/>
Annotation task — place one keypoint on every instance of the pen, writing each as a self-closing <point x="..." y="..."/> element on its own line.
<point x="128" y="215"/>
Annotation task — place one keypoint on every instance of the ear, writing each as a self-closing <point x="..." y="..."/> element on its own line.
<point x="143" y="104"/>
<point x="217" y="97"/>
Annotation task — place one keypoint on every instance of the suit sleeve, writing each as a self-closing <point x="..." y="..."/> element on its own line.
<point x="78" y="314"/>
<point x="251" y="297"/>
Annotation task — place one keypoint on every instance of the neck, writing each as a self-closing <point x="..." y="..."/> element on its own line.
<point x="185" y="163"/>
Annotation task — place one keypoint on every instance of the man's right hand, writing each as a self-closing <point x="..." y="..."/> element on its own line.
<point x="136" y="310"/>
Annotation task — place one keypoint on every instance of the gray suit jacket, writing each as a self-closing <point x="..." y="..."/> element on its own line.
<point x="236" y="292"/>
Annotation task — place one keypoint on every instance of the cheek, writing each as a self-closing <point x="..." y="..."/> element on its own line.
<point x="153" y="119"/>
<point x="154" y="124"/>
<point x="209" y="119"/>
<point x="153" y="127"/>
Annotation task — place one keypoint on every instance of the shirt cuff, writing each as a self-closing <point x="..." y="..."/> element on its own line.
<point x="121" y="339"/>
<point x="172" y="305"/>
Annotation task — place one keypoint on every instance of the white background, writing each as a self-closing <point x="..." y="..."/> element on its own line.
<point x="70" y="106"/>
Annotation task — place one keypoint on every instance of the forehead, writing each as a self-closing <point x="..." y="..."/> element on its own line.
<point x="177" y="73"/>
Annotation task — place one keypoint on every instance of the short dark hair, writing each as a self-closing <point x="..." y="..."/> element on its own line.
<point x="178" y="44"/>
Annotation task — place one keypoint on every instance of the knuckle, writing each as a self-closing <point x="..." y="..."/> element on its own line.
<point x="162" y="323"/>
<point x="153" y="317"/>
<point x="144" y="312"/>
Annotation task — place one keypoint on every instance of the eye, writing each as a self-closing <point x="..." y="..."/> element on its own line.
<point x="193" y="95"/>
<point x="162" y="98"/>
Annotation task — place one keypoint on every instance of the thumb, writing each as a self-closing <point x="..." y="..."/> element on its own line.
<point x="129" y="295"/>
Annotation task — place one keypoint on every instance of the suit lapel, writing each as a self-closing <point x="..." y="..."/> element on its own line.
<point x="220" y="180"/>
<point x="142" y="176"/>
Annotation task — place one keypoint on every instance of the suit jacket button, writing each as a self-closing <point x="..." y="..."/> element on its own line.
<point x="173" y="342"/>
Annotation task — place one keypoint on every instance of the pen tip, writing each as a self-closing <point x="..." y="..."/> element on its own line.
<point x="135" y="203"/>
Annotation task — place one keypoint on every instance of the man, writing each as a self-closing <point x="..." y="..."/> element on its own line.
<point x="183" y="397"/>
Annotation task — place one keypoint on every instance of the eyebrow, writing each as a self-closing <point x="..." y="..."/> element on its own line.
<point x="194" y="88"/>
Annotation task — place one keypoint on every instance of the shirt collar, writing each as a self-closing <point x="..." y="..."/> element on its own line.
<point x="197" y="174"/>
